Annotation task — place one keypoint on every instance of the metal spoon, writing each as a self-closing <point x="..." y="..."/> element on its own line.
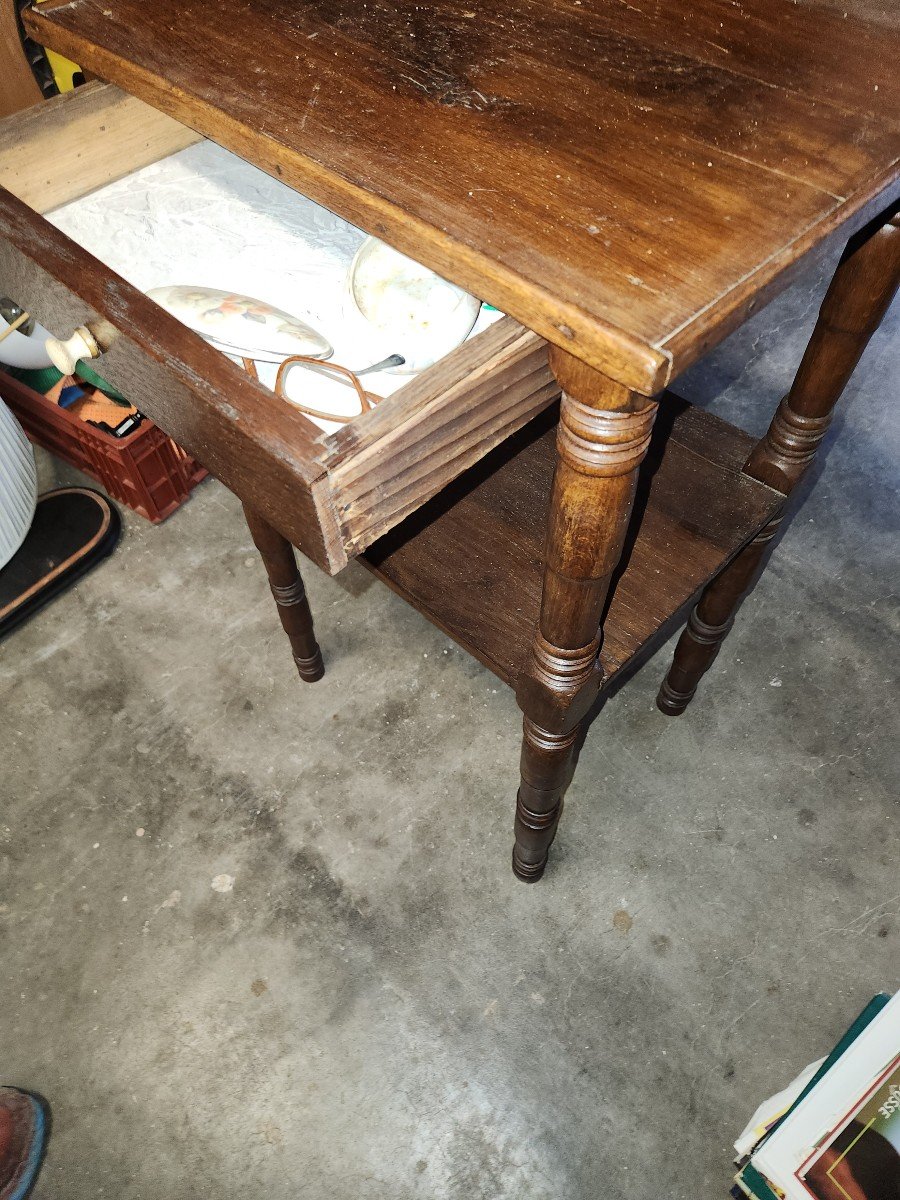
<point x="395" y="360"/>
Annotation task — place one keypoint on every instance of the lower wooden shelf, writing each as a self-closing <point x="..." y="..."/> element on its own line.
<point x="471" y="559"/>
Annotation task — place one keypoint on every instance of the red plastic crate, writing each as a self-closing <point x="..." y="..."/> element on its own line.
<point x="145" y="470"/>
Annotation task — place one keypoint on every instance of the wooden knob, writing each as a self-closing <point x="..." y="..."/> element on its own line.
<point x="65" y="355"/>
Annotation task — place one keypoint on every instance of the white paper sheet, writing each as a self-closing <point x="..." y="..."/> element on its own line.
<point x="204" y="216"/>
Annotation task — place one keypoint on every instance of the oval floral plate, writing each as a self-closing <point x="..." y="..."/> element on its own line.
<point x="240" y="325"/>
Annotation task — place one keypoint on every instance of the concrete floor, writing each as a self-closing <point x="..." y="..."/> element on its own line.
<point x="376" y="1009"/>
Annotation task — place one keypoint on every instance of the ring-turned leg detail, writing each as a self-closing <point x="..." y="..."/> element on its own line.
<point x="859" y="295"/>
<point x="710" y="622"/>
<point x="547" y="760"/>
<point x="287" y="587"/>
<point x="603" y="435"/>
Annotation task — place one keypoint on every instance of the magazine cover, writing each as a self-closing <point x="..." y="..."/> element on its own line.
<point x="862" y="1160"/>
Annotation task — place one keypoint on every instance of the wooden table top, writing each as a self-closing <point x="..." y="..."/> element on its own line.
<point x="627" y="177"/>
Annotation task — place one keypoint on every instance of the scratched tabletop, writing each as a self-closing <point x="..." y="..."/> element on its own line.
<point x="628" y="179"/>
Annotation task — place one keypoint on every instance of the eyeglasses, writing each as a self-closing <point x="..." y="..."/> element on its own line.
<point x="339" y="374"/>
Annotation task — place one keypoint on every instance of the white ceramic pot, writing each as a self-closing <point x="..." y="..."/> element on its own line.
<point x="18" y="484"/>
<point x="19" y="350"/>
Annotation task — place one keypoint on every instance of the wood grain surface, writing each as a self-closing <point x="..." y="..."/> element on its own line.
<point x="66" y="147"/>
<point x="628" y="180"/>
<point x="473" y="559"/>
<point x="366" y="477"/>
<point x="860" y="294"/>
<point x="18" y="87"/>
<point x="382" y="466"/>
<point x="263" y="449"/>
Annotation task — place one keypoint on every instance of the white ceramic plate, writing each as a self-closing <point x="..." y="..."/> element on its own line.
<point x="414" y="311"/>
<point x="240" y="325"/>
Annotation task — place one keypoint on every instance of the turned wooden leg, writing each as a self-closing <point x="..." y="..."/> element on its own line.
<point x="604" y="432"/>
<point x="860" y="293"/>
<point x="277" y="554"/>
<point x="710" y="621"/>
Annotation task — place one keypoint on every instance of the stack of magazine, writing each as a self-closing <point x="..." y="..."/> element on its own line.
<point x="835" y="1133"/>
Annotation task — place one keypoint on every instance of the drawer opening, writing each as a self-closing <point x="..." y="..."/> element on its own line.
<point x="157" y="204"/>
<point x="204" y="218"/>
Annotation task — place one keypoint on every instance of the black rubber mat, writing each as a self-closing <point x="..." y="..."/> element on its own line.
<point x="74" y="528"/>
